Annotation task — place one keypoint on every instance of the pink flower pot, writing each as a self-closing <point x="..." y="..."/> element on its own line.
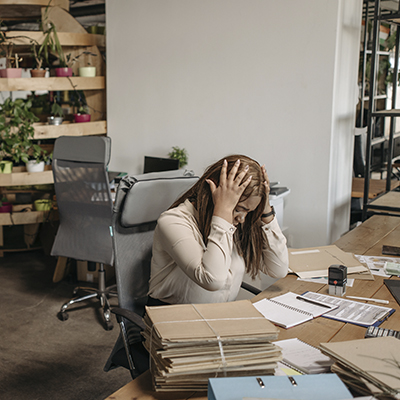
<point x="6" y="207"/>
<point x="11" y="73"/>
<point x="82" y="117"/>
<point x="62" y="72"/>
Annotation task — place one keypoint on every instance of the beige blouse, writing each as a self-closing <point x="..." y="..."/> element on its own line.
<point x="185" y="270"/>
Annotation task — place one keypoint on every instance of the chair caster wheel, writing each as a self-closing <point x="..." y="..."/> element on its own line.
<point x="62" y="316"/>
<point x="108" y="326"/>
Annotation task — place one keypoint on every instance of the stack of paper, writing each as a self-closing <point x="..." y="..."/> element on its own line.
<point x="370" y="363"/>
<point x="190" y="343"/>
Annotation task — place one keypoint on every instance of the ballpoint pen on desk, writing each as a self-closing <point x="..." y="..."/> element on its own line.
<point x="368" y="299"/>
<point x="317" y="303"/>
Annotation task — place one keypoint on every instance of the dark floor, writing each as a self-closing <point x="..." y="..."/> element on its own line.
<point x="40" y="356"/>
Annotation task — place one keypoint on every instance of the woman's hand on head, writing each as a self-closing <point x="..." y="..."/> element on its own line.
<point x="267" y="189"/>
<point x="229" y="191"/>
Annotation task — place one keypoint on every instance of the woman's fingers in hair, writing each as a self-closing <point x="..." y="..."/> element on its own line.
<point x="266" y="179"/>
<point x="224" y="170"/>
<point x="211" y="184"/>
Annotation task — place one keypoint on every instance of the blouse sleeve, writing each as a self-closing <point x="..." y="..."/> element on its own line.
<point x="208" y="266"/>
<point x="275" y="253"/>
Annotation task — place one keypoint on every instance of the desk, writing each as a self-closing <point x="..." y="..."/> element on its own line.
<point x="376" y="187"/>
<point x="390" y="200"/>
<point x="366" y="239"/>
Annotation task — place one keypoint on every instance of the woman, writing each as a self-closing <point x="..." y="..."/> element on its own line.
<point x="219" y="229"/>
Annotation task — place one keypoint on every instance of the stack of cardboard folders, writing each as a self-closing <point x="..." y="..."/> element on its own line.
<point x="190" y="343"/>
<point x="371" y="366"/>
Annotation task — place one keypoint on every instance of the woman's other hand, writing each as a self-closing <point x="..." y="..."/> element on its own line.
<point x="229" y="191"/>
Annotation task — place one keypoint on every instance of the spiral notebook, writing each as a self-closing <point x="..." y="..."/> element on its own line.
<point x="291" y="309"/>
<point x="303" y="357"/>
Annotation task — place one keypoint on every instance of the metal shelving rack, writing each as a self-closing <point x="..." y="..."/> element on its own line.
<point x="392" y="17"/>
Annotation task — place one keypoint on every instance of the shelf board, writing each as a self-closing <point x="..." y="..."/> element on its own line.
<point x="16" y="10"/>
<point x="52" y="83"/>
<point x="379" y="97"/>
<point x="22" y="218"/>
<point x="23" y="38"/>
<point x="26" y="178"/>
<point x="387" y="113"/>
<point x="378" y="140"/>
<point x="44" y="131"/>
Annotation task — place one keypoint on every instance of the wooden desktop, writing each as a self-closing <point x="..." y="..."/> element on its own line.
<point x="366" y="239"/>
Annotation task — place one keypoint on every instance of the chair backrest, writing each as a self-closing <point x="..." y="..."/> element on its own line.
<point x="139" y="202"/>
<point x="83" y="198"/>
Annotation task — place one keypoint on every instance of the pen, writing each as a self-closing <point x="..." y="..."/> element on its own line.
<point x="313" y="302"/>
<point x="368" y="299"/>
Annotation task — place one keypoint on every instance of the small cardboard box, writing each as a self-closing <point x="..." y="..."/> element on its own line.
<point x="83" y="273"/>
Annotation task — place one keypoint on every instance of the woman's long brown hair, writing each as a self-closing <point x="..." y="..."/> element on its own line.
<point x="248" y="236"/>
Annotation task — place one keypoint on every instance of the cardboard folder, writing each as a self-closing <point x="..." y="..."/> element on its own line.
<point x="314" y="262"/>
<point x="376" y="360"/>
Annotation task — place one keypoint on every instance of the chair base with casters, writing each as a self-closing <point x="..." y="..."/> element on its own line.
<point x="101" y="293"/>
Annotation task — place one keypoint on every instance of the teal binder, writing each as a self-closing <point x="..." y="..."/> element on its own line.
<point x="298" y="387"/>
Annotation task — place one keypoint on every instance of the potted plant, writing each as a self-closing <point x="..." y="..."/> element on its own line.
<point x="57" y="115"/>
<point x="179" y="154"/>
<point x="16" y="129"/>
<point x="38" y="55"/>
<point x="37" y="158"/>
<point x="5" y="206"/>
<point x="66" y="61"/>
<point x="39" y="102"/>
<point x="81" y="108"/>
<point x="7" y="52"/>
<point x="89" y="71"/>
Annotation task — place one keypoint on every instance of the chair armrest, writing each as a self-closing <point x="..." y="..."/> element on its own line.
<point x="250" y="288"/>
<point x="130" y="315"/>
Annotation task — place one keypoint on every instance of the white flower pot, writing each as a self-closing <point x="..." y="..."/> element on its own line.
<point x="33" y="166"/>
<point x="87" y="71"/>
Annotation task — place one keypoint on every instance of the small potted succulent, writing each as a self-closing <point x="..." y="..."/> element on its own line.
<point x="57" y="114"/>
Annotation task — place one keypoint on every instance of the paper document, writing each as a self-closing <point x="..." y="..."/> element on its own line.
<point x="376" y="264"/>
<point x="351" y="311"/>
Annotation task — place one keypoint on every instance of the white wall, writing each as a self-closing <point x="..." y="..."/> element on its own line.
<point x="273" y="79"/>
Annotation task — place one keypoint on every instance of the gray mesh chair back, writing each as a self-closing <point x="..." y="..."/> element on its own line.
<point x="139" y="202"/>
<point x="85" y="206"/>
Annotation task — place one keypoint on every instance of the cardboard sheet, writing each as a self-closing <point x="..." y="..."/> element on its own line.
<point x="376" y="359"/>
<point x="314" y="262"/>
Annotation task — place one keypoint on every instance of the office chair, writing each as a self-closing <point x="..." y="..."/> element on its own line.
<point x="85" y="209"/>
<point x="139" y="202"/>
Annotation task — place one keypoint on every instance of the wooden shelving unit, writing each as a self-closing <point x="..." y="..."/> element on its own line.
<point x="74" y="39"/>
